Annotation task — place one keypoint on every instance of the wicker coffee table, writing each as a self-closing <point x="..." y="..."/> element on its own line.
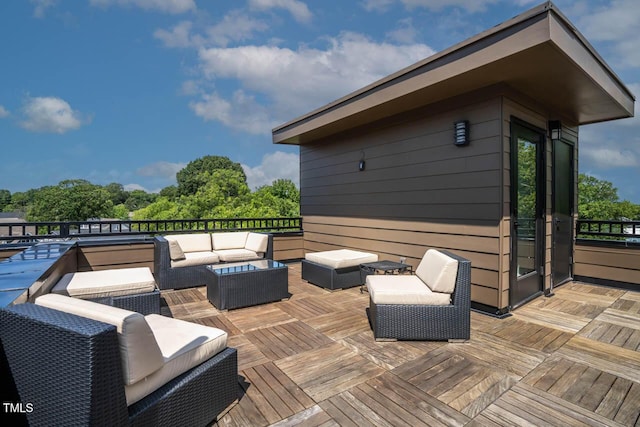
<point x="243" y="284"/>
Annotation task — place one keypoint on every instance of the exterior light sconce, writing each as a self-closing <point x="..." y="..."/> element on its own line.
<point x="461" y="133"/>
<point x="362" y="164"/>
<point x="555" y="128"/>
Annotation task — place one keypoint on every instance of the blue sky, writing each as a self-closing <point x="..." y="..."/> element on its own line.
<point x="130" y="91"/>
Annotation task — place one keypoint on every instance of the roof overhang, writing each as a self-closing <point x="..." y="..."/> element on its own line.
<point x="538" y="53"/>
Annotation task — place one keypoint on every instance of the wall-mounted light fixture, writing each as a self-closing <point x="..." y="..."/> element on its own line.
<point x="555" y="128"/>
<point x="461" y="132"/>
<point x="362" y="164"/>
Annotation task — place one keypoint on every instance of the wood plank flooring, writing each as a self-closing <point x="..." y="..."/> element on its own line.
<point x="572" y="359"/>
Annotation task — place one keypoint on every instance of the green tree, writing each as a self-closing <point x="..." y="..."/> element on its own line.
<point x="598" y="200"/>
<point x="170" y="192"/>
<point x="5" y="199"/>
<point x="192" y="176"/>
<point x="162" y="208"/>
<point x="120" y="211"/>
<point x="139" y="199"/>
<point x="117" y="193"/>
<point x="70" y="200"/>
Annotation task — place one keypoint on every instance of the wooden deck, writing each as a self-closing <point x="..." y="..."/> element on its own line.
<point x="572" y="359"/>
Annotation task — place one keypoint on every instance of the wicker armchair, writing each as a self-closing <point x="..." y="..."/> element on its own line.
<point x="427" y="322"/>
<point x="68" y="369"/>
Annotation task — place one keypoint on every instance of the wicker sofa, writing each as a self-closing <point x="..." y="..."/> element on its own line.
<point x="124" y="369"/>
<point x="180" y="260"/>
<point x="435" y="304"/>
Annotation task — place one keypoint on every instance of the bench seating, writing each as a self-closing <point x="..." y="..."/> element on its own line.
<point x="82" y="363"/>
<point x="128" y="288"/>
<point x="336" y="269"/>
<point x="180" y="259"/>
<point x="435" y="304"/>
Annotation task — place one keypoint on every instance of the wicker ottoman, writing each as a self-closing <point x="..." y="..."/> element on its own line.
<point x="336" y="269"/>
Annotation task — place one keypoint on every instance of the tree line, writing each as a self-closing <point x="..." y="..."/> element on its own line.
<point x="208" y="187"/>
<point x="216" y="187"/>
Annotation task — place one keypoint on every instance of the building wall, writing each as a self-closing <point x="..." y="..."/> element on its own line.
<point x="611" y="265"/>
<point x="418" y="190"/>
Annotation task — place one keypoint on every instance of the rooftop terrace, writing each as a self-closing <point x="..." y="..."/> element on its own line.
<point x="571" y="359"/>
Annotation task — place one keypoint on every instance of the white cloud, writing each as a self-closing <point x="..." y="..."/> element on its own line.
<point x="165" y="6"/>
<point x="3" y="112"/>
<point x="277" y="165"/>
<point x="611" y="157"/>
<point x="161" y="169"/>
<point x="377" y="5"/>
<point x="234" y="27"/>
<point x="298" y="9"/>
<point x="406" y="33"/>
<point x="242" y="112"/>
<point x="178" y="36"/>
<point x="51" y="115"/>
<point x="41" y="7"/>
<point x="596" y="24"/>
<point x="296" y="81"/>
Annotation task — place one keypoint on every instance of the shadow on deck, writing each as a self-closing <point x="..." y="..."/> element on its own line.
<point x="573" y="359"/>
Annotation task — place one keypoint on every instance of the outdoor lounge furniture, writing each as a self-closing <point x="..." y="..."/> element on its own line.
<point x="82" y="363"/>
<point x="245" y="284"/>
<point x="180" y="259"/>
<point x="433" y="304"/>
<point x="128" y="288"/>
<point x="335" y="269"/>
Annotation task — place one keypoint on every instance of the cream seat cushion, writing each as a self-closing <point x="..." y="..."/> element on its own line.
<point x="196" y="258"/>
<point x="438" y="271"/>
<point x="402" y="290"/>
<point x="184" y="345"/>
<point x="341" y="258"/>
<point x="231" y="240"/>
<point x="106" y="283"/>
<point x="139" y="351"/>
<point x="197" y="242"/>
<point x="231" y="255"/>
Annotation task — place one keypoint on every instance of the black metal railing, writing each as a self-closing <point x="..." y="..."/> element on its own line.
<point x="42" y="231"/>
<point x="623" y="231"/>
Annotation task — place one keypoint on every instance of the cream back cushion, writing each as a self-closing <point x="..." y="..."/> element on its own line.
<point x="197" y="242"/>
<point x="175" y="251"/>
<point x="257" y="242"/>
<point x="139" y="350"/>
<point x="438" y="271"/>
<point x="231" y="240"/>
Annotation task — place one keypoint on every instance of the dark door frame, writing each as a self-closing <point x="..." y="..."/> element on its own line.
<point x="554" y="207"/>
<point x="541" y="194"/>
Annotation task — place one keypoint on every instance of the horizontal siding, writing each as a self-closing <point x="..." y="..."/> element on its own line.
<point x="608" y="263"/>
<point x="288" y="247"/>
<point x="413" y="169"/>
<point x="92" y="258"/>
<point x="394" y="239"/>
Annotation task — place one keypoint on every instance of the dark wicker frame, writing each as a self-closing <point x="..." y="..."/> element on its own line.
<point x="168" y="277"/>
<point x="147" y="303"/>
<point x="427" y="322"/>
<point x="329" y="277"/>
<point x="247" y="288"/>
<point x="68" y="367"/>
